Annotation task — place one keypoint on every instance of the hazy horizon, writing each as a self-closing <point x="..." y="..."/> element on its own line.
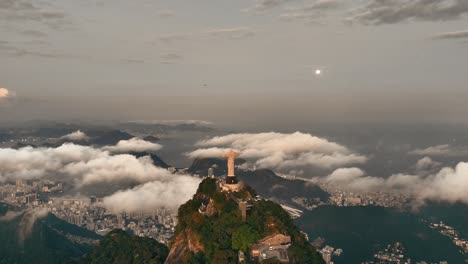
<point x="378" y="61"/>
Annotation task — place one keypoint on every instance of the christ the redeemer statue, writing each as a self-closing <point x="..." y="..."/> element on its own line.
<point x="231" y="157"/>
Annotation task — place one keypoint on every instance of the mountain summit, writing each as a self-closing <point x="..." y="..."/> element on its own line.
<point x="216" y="226"/>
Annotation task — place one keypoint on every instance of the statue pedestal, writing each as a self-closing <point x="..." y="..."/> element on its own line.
<point x="226" y="187"/>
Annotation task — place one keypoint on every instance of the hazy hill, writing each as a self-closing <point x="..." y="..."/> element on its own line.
<point x="5" y="136"/>
<point x="19" y="145"/>
<point x="119" y="247"/>
<point x="156" y="159"/>
<point x="151" y="138"/>
<point x="266" y="183"/>
<point x="285" y="191"/>
<point x="51" y="240"/>
<point x="110" y="138"/>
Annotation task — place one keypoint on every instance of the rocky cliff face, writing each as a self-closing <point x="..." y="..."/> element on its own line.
<point x="179" y="248"/>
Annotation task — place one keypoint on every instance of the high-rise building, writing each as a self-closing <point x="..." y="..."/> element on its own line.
<point x="20" y="183"/>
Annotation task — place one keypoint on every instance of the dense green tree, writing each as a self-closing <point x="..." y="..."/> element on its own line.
<point x="119" y="247"/>
<point x="243" y="237"/>
<point x="224" y="256"/>
<point x="224" y="234"/>
<point x="208" y="187"/>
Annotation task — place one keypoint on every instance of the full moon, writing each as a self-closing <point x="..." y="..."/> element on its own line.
<point x="318" y="72"/>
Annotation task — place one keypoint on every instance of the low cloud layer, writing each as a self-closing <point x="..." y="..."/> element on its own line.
<point x="28" y="219"/>
<point x="441" y="151"/>
<point x="35" y="11"/>
<point x="283" y="153"/>
<point x="262" y="5"/>
<point x="10" y="215"/>
<point x="447" y="184"/>
<point x="463" y="34"/>
<point x="152" y="195"/>
<point x="81" y="165"/>
<point x="211" y="34"/>
<point x="27" y="222"/>
<point x="426" y="166"/>
<point x="133" y="145"/>
<point x="84" y="165"/>
<point x="310" y="11"/>
<point x="231" y="33"/>
<point x="377" y="12"/>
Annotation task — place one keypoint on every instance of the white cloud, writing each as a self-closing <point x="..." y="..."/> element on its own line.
<point x="262" y="5"/>
<point x="448" y="184"/>
<point x="76" y="136"/>
<point x="426" y="164"/>
<point x="133" y="145"/>
<point x="10" y="215"/>
<point x="441" y="150"/>
<point x="210" y="34"/>
<point x="30" y="163"/>
<point x="149" y="196"/>
<point x="281" y="152"/>
<point x="80" y="164"/>
<point x="311" y="11"/>
<point x="84" y="165"/>
<point x="26" y="224"/>
<point x="207" y="153"/>
<point x="231" y="33"/>
<point x="462" y="34"/>
<point x="378" y="12"/>
<point x="345" y="175"/>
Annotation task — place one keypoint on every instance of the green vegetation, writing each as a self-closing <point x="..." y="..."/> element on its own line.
<point x="46" y="243"/>
<point x="219" y="237"/>
<point x="243" y="237"/>
<point x="119" y="247"/>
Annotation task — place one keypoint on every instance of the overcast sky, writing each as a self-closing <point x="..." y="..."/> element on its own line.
<point x="379" y="59"/>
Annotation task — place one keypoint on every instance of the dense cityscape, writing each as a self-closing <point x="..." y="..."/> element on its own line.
<point x="86" y="211"/>
<point x="342" y="197"/>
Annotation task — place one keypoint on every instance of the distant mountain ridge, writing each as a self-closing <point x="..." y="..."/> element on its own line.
<point x="157" y="161"/>
<point x="110" y="138"/>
